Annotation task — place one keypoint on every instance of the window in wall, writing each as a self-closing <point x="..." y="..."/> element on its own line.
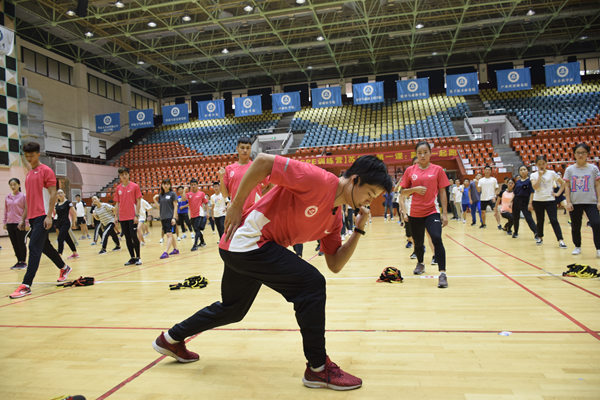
<point x="29" y="59"/>
<point x="104" y="88"/>
<point x="118" y="94"/>
<point x="64" y="73"/>
<point x="52" y="69"/>
<point x="41" y="64"/>
<point x="92" y="84"/>
<point x="66" y="143"/>
<point x="110" y="91"/>
<point x="46" y="66"/>
<point x="102" y="148"/>
<point x="592" y="66"/>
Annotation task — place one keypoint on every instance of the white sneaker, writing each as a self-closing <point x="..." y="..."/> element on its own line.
<point x="597" y="253"/>
<point x="179" y="239"/>
<point x="562" y="245"/>
<point x="192" y="236"/>
<point x="161" y="241"/>
<point x="183" y="236"/>
<point x="576" y="251"/>
<point x="464" y="221"/>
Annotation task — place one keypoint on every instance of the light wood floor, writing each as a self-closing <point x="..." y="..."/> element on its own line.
<point x="408" y="341"/>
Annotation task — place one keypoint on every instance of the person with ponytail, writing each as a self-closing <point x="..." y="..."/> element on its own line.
<point x="15" y="206"/>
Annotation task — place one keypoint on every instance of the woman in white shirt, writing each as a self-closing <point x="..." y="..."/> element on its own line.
<point x="143" y="229"/>
<point x="542" y="200"/>
<point x="457" y="192"/>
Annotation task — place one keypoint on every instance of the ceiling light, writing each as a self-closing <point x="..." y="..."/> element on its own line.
<point x="194" y="81"/>
<point x="583" y="37"/>
<point x="434" y="53"/>
<point x="309" y="67"/>
<point x="225" y="51"/>
<point x="140" y="62"/>
<point x="300" y="1"/>
<point x="152" y="24"/>
<point x="419" y="26"/>
<point x="186" y="18"/>
<point x="248" y="8"/>
<point x="71" y="13"/>
<point x="320" y="38"/>
<point x="119" y="4"/>
<point x="530" y="13"/>
<point x="89" y="34"/>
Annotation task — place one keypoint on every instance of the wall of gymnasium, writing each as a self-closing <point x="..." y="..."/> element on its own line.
<point x="71" y="108"/>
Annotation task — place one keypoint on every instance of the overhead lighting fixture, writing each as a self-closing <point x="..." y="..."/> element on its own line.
<point x="300" y="1"/>
<point x="583" y="37"/>
<point x="194" y="81"/>
<point x="248" y="8"/>
<point x="434" y="53"/>
<point x="530" y="13"/>
<point x="419" y="26"/>
<point x="320" y="38"/>
<point x="152" y="24"/>
<point x="89" y="34"/>
<point x="119" y="4"/>
<point x="309" y="67"/>
<point x="140" y="62"/>
<point x="225" y="51"/>
<point x="186" y="18"/>
<point x="71" y="13"/>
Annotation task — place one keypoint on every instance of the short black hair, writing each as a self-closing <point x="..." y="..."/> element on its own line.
<point x="244" y="140"/>
<point x="216" y="183"/>
<point x="31" y="147"/>
<point x="77" y="195"/>
<point x="487" y="166"/>
<point x="16" y="180"/>
<point x="585" y="146"/>
<point x="421" y="143"/>
<point x="179" y="187"/>
<point x="122" y="170"/>
<point x="193" y="180"/>
<point x="371" y="171"/>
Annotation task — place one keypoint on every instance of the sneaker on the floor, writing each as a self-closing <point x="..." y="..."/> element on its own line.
<point x="174" y="252"/>
<point x="194" y="248"/>
<point x="320" y="253"/>
<point x="161" y="241"/>
<point x="142" y="243"/>
<point x="464" y="221"/>
<point x="203" y="244"/>
<point x="482" y="226"/>
<point x="117" y="248"/>
<point x="499" y="227"/>
<point x="93" y="244"/>
<point x="164" y="255"/>
<point x="474" y="223"/>
<point x="138" y="261"/>
<point x="179" y="239"/>
<point x="561" y="244"/>
<point x="419" y="269"/>
<point x="539" y="241"/>
<point x="408" y="245"/>
<point x="19" y="265"/>
<point x="413" y="256"/>
<point x="130" y="262"/>
<point x="597" y="253"/>
<point x="576" y="251"/>
<point x="184" y="236"/>
<point x="178" y="350"/>
<point x="509" y="232"/>
<point x="192" y="236"/>
<point x="64" y="273"/>
<point x="515" y="235"/>
<point x="72" y="256"/>
<point x="103" y="251"/>
<point x="332" y="377"/>
<point x="82" y="237"/>
<point x="21" y="291"/>
<point x="433" y="261"/>
<point x="442" y="281"/>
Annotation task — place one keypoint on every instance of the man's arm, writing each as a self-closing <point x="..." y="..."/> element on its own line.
<point x="335" y="262"/>
<point x="222" y="182"/>
<point x="51" y="205"/>
<point x="597" y="193"/>
<point x="174" y="210"/>
<point x="138" y="210"/>
<point x="567" y="188"/>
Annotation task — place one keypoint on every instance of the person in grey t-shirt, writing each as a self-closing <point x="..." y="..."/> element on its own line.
<point x="582" y="188"/>
<point x="167" y="202"/>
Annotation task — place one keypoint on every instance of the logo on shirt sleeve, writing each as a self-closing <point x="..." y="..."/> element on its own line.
<point x="311" y="211"/>
<point x="231" y="174"/>
<point x="120" y="192"/>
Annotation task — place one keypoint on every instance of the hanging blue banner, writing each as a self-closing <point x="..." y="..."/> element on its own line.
<point x="286" y="102"/>
<point x="413" y="89"/>
<point x="250" y="105"/>
<point x="108" y="122"/>
<point x="365" y="93"/>
<point x="563" y="74"/>
<point x="141" y="118"/>
<point x="326" y="97"/>
<point x="462" y="84"/>
<point x="510" y="80"/>
<point x="211" y="109"/>
<point x="176" y="114"/>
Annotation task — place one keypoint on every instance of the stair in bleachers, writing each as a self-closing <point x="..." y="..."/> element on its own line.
<point x="509" y="157"/>
<point x="459" y="128"/>
<point x="284" y="123"/>
<point x="475" y="104"/>
<point x="106" y="188"/>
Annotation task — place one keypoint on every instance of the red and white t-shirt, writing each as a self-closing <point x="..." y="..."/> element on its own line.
<point x="232" y="179"/>
<point x="433" y="178"/>
<point x="127" y="197"/>
<point x="195" y="202"/>
<point x="39" y="178"/>
<point x="297" y="210"/>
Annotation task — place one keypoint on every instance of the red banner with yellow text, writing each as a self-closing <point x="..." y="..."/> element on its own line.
<point x="389" y="157"/>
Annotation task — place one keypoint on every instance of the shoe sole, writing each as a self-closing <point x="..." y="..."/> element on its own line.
<point x="325" y="385"/>
<point x="418" y="273"/>
<point x="169" y="353"/>
<point x="442" y="286"/>
<point x="19" y="296"/>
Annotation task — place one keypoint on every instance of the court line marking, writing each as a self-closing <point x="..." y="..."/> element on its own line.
<point x="556" y="308"/>
<point x="535" y="266"/>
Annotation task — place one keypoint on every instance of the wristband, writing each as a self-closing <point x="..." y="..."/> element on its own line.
<point x="359" y="231"/>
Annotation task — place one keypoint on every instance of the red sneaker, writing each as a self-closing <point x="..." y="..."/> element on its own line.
<point x="64" y="272"/>
<point x="21" y="291"/>
<point x="177" y="350"/>
<point x="332" y="377"/>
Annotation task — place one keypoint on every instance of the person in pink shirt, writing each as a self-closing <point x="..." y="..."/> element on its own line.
<point x="38" y="178"/>
<point x="197" y="200"/>
<point x="424" y="181"/>
<point x="127" y="208"/>
<point x="504" y="203"/>
<point x="15" y="206"/>
<point x="254" y="250"/>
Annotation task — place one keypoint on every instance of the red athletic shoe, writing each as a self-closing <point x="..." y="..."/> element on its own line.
<point x="64" y="272"/>
<point x="177" y="350"/>
<point x="332" y="377"/>
<point x="21" y="291"/>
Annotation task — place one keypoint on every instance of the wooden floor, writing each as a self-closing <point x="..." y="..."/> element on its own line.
<point x="408" y="341"/>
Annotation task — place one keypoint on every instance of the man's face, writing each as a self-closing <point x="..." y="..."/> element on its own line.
<point x="32" y="158"/>
<point x="363" y="195"/>
<point x="487" y="172"/>
<point x="217" y="189"/>
<point x="243" y="150"/>
<point x="194" y="186"/>
<point x="180" y="191"/>
<point x="124" y="177"/>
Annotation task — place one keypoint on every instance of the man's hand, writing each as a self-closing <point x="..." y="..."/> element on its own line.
<point x="569" y="206"/>
<point x="233" y="218"/>
<point x="444" y="220"/>
<point x="221" y="172"/>
<point x="530" y="207"/>
<point x="21" y="226"/>
<point x="362" y="218"/>
<point x="47" y="222"/>
<point x="420" y="190"/>
<point x="135" y="220"/>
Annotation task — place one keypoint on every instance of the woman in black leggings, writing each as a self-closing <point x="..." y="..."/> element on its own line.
<point x="523" y="191"/>
<point x="63" y="209"/>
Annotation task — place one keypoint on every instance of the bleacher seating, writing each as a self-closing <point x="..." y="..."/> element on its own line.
<point x="547" y="107"/>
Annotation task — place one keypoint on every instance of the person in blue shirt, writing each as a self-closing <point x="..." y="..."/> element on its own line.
<point x="182" y="212"/>
<point x="523" y="191"/>
<point x="387" y="204"/>
<point x="474" y="198"/>
<point x="465" y="203"/>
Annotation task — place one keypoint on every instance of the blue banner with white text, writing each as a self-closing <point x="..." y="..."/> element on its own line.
<point x="366" y="93"/>
<point x="286" y="102"/>
<point x="413" y="89"/>
<point x="326" y="97"/>
<point x="510" y="80"/>
<point x="176" y="114"/>
<point x="141" y="118"/>
<point x="211" y="109"/>
<point x="250" y="105"/>
<point x="563" y="74"/>
<point x="462" y="84"/>
<point x="108" y="122"/>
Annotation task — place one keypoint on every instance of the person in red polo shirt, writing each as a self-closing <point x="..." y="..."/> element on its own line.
<point x="197" y="200"/>
<point x="127" y="198"/>
<point x="254" y="249"/>
<point x="38" y="178"/>
<point x="423" y="181"/>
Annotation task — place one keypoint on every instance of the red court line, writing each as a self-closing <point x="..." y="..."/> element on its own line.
<point x="569" y="317"/>
<point x="535" y="266"/>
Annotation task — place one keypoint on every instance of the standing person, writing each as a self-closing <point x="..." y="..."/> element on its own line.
<point x="474" y="201"/>
<point x="465" y="200"/>
<point x="15" y="206"/>
<point x="218" y="208"/>
<point x="97" y="226"/>
<point x="182" y="212"/>
<point x="542" y="200"/>
<point x="142" y="228"/>
<point x="582" y="191"/>
<point x="396" y="205"/>
<point x="457" y="194"/>
<point x="505" y="202"/>
<point x="38" y="178"/>
<point x="197" y="203"/>
<point x="81" y="221"/>
<point x="64" y="208"/>
<point x="488" y="189"/>
<point x="424" y="181"/>
<point x="105" y="214"/>
<point x="450" y="196"/>
<point x="559" y="196"/>
<point x="167" y="203"/>
<point x="522" y="191"/>
<point x="254" y="252"/>
<point x="127" y="199"/>
<point x="387" y="204"/>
